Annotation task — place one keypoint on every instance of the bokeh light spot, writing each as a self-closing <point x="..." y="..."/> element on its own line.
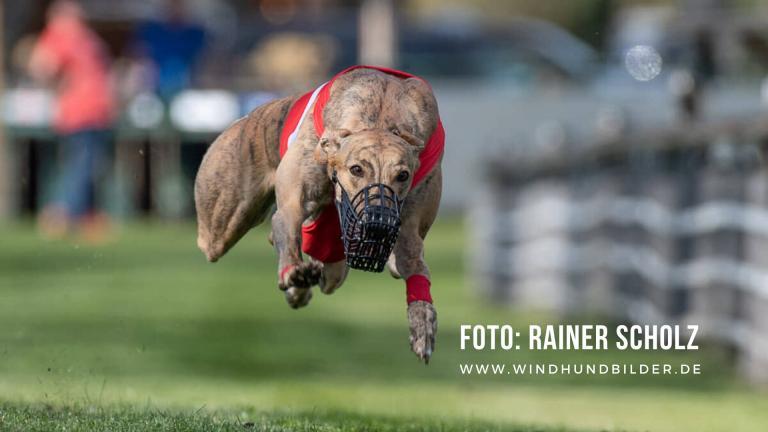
<point x="643" y="62"/>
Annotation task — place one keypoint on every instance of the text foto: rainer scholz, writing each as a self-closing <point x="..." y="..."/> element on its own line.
<point x="579" y="337"/>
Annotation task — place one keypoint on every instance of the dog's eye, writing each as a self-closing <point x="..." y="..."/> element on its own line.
<point x="356" y="170"/>
<point x="402" y="176"/>
<point x="395" y="131"/>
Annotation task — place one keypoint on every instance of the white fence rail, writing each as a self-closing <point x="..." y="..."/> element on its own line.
<point x="675" y="231"/>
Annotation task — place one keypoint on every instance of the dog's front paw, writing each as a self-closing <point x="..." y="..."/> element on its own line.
<point x="297" y="280"/>
<point x="298" y="297"/>
<point x="422" y="319"/>
<point x="302" y="275"/>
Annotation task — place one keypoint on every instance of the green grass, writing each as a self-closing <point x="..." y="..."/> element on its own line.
<point x="143" y="333"/>
<point x="49" y="418"/>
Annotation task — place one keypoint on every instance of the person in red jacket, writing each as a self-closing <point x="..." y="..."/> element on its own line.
<point x="69" y="54"/>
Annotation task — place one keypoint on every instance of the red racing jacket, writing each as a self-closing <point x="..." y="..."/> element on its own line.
<point x="321" y="239"/>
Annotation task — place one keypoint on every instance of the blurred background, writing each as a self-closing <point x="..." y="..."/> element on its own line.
<point x="604" y="158"/>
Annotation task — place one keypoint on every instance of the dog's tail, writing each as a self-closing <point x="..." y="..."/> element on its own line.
<point x="235" y="185"/>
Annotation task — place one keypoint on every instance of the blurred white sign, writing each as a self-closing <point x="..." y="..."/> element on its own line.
<point x="204" y="110"/>
<point x="28" y="107"/>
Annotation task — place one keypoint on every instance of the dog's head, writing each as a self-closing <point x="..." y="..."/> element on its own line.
<point x="372" y="156"/>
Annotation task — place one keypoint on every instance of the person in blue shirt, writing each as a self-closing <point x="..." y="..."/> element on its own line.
<point x="173" y="45"/>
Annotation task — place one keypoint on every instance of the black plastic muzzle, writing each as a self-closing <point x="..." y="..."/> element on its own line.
<point x="370" y="223"/>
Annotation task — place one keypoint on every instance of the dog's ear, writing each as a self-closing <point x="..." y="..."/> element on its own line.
<point x="413" y="140"/>
<point x="329" y="144"/>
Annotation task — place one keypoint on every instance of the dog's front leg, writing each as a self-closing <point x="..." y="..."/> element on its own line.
<point x="295" y="277"/>
<point x="422" y="316"/>
<point x="419" y="212"/>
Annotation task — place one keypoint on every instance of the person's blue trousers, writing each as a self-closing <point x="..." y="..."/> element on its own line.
<point x="84" y="157"/>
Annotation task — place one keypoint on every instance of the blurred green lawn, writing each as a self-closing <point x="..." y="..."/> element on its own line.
<point x="145" y="321"/>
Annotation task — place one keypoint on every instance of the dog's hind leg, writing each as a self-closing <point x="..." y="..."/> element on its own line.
<point x="392" y="266"/>
<point x="234" y="188"/>
<point x="333" y="276"/>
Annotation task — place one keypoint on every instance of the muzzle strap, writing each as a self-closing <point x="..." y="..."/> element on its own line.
<point x="417" y="288"/>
